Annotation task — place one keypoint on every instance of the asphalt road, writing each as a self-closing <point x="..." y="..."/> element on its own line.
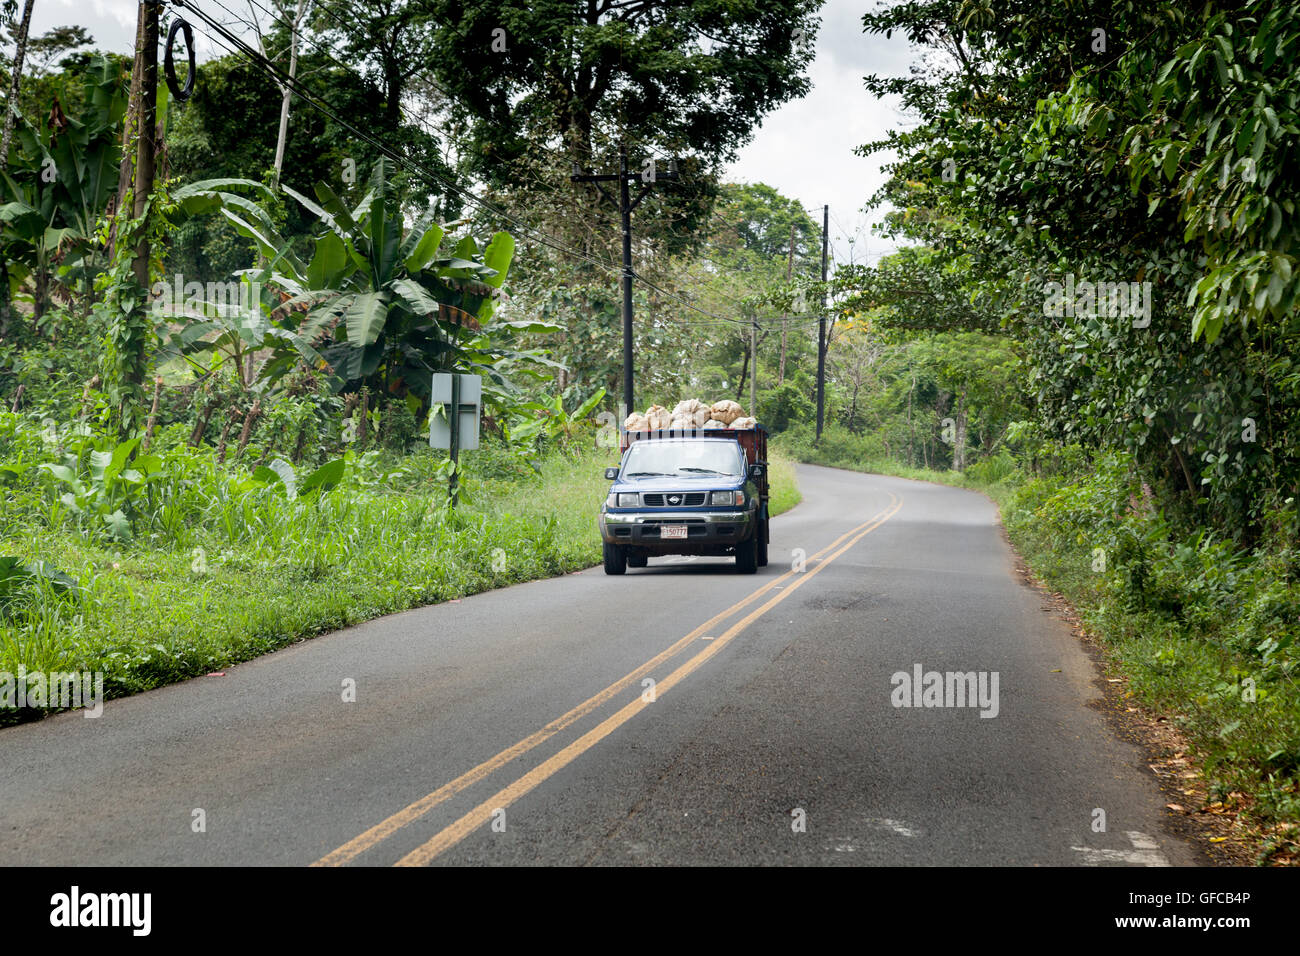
<point x="518" y="727"/>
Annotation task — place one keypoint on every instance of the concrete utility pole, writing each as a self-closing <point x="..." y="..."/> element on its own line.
<point x="648" y="177"/>
<point x="821" y="329"/>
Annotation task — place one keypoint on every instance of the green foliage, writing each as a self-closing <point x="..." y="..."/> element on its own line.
<point x="394" y="308"/>
<point x="225" y="565"/>
<point x="566" y="430"/>
<point x="540" y="86"/>
<point x="1202" y="628"/>
<point x="19" y="580"/>
<point x="61" y="173"/>
<point x="1164" y="161"/>
<point x="107" y="489"/>
<point x="786" y="405"/>
<point x="228" y="129"/>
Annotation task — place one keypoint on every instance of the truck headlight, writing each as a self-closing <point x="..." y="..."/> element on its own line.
<point x="727" y="498"/>
<point x="626" y="500"/>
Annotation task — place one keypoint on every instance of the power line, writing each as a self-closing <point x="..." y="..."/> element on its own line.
<point x="413" y="165"/>
<point x="239" y="47"/>
<point x="554" y="190"/>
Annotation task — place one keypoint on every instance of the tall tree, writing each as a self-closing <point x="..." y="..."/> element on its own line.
<point x="393" y="39"/>
<point x="1114" y="142"/>
<point x="52" y="44"/>
<point x="547" y="84"/>
<point x="291" y="18"/>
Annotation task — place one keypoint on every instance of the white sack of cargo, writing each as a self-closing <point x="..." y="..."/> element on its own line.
<point x="657" y="417"/>
<point x="636" y="422"/>
<point x="727" y="411"/>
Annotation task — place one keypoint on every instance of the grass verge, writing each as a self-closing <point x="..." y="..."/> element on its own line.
<point x="250" y="572"/>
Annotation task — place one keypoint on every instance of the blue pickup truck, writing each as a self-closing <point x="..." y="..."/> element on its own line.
<point x="688" y="491"/>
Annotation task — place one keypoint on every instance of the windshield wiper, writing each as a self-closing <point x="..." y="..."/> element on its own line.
<point x="706" y="471"/>
<point x="646" y="474"/>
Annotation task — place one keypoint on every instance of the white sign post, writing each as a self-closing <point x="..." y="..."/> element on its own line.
<point x="453" y="425"/>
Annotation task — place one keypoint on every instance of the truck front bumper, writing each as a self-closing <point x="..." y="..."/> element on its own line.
<point x="705" y="531"/>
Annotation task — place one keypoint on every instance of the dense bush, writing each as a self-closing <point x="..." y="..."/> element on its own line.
<point x="1202" y="626"/>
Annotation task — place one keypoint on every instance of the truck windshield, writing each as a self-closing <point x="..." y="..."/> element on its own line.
<point x="692" y="459"/>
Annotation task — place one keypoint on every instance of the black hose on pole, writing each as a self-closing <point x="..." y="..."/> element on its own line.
<point x="181" y="93"/>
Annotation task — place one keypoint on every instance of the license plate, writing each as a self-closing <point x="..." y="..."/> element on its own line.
<point x="672" y="531"/>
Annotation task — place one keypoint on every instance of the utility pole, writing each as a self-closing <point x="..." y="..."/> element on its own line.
<point x="648" y="177"/>
<point x="753" y="375"/>
<point x="147" y="123"/>
<point x="789" y="266"/>
<point x="821" y="329"/>
<point x="134" y="184"/>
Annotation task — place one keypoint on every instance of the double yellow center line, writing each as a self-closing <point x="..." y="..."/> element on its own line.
<point x="482" y="813"/>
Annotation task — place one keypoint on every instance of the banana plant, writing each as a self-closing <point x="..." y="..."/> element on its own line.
<point x="235" y="334"/>
<point x="398" y="308"/>
<point x="57" y="186"/>
<point x="29" y="240"/>
<point x="550" y="418"/>
<point x="240" y="332"/>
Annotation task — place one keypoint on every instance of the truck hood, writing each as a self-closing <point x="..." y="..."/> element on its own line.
<point x="680" y="483"/>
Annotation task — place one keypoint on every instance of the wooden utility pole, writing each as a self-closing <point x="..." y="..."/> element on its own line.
<point x="146" y="58"/>
<point x="626" y="204"/>
<point x="789" y="267"/>
<point x="20" y="52"/>
<point x="753" y="375"/>
<point x="134" y="184"/>
<point x="821" y="329"/>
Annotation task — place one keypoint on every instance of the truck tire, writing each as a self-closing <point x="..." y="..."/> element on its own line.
<point x="635" y="560"/>
<point x="615" y="559"/>
<point x="763" y="528"/>
<point x="747" y="554"/>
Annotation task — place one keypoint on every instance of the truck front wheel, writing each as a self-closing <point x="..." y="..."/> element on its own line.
<point x="747" y="553"/>
<point x="615" y="559"/>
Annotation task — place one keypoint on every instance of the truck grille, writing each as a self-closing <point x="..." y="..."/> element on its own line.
<point x="685" y="499"/>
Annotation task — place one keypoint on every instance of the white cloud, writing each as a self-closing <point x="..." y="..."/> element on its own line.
<point x="110" y="22"/>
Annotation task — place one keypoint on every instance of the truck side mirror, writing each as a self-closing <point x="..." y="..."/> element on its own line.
<point x="611" y="474"/>
<point x="756" y="471"/>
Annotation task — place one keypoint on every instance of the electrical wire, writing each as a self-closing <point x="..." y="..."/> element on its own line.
<point x="238" y="46"/>
<point x="410" y="164"/>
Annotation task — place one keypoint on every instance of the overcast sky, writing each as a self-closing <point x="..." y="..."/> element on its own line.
<point x="804" y="149"/>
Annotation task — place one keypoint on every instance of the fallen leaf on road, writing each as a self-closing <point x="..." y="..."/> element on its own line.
<point x="217" y="674"/>
<point x="1175" y="807"/>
